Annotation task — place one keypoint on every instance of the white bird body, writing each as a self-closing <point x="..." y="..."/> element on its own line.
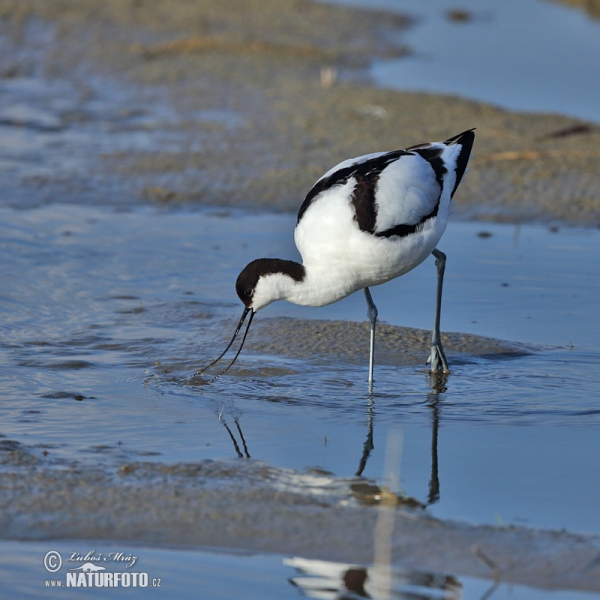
<point x="334" y="270"/>
<point x="339" y="257"/>
<point x="365" y="221"/>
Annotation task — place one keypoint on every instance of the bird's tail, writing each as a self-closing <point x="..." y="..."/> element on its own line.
<point x="465" y="141"/>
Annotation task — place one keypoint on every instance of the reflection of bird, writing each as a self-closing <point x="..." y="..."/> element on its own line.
<point x="366" y="221"/>
<point x="89" y="567"/>
<point x="339" y="581"/>
<point x="235" y="444"/>
<point x="438" y="387"/>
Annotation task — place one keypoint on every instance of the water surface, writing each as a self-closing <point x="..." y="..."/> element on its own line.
<point x="182" y="573"/>
<point x="105" y="315"/>
<point x="527" y="55"/>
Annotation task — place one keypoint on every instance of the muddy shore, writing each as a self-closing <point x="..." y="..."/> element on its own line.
<point x="289" y="85"/>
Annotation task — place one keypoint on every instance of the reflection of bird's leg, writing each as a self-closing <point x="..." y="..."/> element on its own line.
<point x="434" y="482"/>
<point x="437" y="358"/>
<point x="237" y="424"/>
<point x="368" y="445"/>
<point x="439" y="386"/>
<point x="372" y="314"/>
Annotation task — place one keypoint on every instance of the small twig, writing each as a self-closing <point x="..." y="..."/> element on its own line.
<point x="481" y="555"/>
<point x="328" y="76"/>
<point x="534" y="154"/>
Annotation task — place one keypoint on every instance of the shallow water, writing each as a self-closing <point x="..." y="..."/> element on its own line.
<point x="528" y="55"/>
<point x="185" y="573"/>
<point x="105" y="314"/>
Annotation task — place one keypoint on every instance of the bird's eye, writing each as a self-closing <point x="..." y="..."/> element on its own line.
<point x="248" y="293"/>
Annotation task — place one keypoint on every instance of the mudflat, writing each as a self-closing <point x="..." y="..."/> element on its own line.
<point x="271" y="95"/>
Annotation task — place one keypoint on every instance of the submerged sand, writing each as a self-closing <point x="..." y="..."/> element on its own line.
<point x="349" y="342"/>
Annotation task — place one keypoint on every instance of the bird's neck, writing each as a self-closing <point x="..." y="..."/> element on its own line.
<point x="318" y="286"/>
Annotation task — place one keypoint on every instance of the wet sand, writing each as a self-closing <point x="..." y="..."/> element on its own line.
<point x="348" y="342"/>
<point x="293" y="98"/>
<point x="288" y="83"/>
<point x="252" y="506"/>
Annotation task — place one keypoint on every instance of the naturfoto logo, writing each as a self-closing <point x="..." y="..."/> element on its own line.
<point x="92" y="570"/>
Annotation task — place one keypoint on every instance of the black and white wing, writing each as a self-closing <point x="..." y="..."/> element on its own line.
<point x="394" y="193"/>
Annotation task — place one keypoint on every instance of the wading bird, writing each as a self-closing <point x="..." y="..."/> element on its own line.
<point x="366" y="221"/>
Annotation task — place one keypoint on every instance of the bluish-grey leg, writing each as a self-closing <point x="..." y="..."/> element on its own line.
<point x="437" y="358"/>
<point x="372" y="314"/>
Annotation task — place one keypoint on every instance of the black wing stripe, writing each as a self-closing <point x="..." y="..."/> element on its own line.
<point x="403" y="230"/>
<point x="363" y="200"/>
<point x="434" y="157"/>
<point x="369" y="169"/>
<point x="367" y="175"/>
